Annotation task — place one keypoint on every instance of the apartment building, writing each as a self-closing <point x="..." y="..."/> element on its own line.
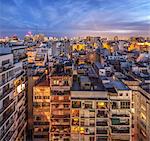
<point x="41" y="111"/>
<point x="120" y="97"/>
<point x="60" y="83"/>
<point x="37" y="63"/>
<point x="140" y="109"/>
<point x="89" y="110"/>
<point x="12" y="98"/>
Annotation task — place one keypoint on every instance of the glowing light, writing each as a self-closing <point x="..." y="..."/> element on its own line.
<point x="101" y="104"/>
<point x="81" y="130"/>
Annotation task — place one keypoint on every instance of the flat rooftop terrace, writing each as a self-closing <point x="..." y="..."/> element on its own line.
<point x="96" y="84"/>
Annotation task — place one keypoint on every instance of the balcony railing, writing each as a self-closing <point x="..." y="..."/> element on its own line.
<point x="60" y="123"/>
<point x="6" y="67"/>
<point x="88" y="116"/>
<point x="101" y="131"/>
<point x="58" y="106"/>
<point x="5" y="117"/>
<point x="123" y="130"/>
<point x="6" y="93"/>
<point x="101" y="123"/>
<point x="117" y="121"/>
<point x="60" y="100"/>
<point x="61" y="116"/>
<point x="21" y="95"/>
<point x="6" y="104"/>
<point x="88" y="125"/>
<point x="60" y="130"/>
<point x="6" y="80"/>
<point x="7" y="128"/>
<point x="102" y="116"/>
<point x="120" y="115"/>
<point x="9" y="136"/>
<point x="60" y="93"/>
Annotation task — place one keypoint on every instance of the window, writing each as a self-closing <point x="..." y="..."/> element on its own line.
<point x="5" y="62"/>
<point x="38" y="97"/>
<point x="5" y="88"/>
<point x="76" y="104"/>
<point x="114" y="105"/>
<point x="88" y="105"/>
<point x="56" y="82"/>
<point x="37" y="104"/>
<point x="125" y="105"/>
<point x="121" y="94"/>
<point x="45" y="104"/>
<point x="45" y="97"/>
<point x="101" y="105"/>
<point x="66" y="83"/>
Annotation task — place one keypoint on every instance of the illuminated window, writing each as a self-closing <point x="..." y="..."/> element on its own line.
<point x="75" y="121"/>
<point x="75" y="129"/>
<point x="82" y="130"/>
<point x="143" y="116"/>
<point x="101" y="105"/>
<point x="75" y="113"/>
<point x="55" y="82"/>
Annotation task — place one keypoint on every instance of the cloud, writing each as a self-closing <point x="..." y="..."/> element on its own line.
<point x="76" y="16"/>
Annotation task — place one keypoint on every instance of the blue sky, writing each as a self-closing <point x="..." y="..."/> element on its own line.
<point x="75" y="17"/>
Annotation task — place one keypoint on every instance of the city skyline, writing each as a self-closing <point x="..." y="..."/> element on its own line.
<point x="75" y="18"/>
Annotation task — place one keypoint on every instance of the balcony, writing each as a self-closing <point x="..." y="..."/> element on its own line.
<point x="60" y="129"/>
<point x="60" y="87"/>
<point x="4" y="81"/>
<point x="102" y="138"/>
<point x="6" y="67"/>
<point x="20" y="96"/>
<point x="76" y="104"/>
<point x="9" y="136"/>
<point x="75" y="122"/>
<point x="125" y="130"/>
<point x="118" y="121"/>
<point x="91" y="124"/>
<point x="101" y="131"/>
<point x="75" y="113"/>
<point x="6" y="105"/>
<point x="5" y="93"/>
<point x="60" y="100"/>
<point x="102" y="114"/>
<point x="120" y="115"/>
<point x="87" y="131"/>
<point x="61" y="116"/>
<point x="60" y="106"/>
<point x="59" y="93"/>
<point x="101" y="123"/>
<point x="102" y="105"/>
<point x="63" y="123"/>
<point x="7" y="128"/>
<point x="87" y="115"/>
<point x="6" y="115"/>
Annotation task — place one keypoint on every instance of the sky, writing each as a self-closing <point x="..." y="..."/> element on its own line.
<point x="75" y="17"/>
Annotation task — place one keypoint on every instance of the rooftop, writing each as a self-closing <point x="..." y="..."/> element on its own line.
<point x="86" y="83"/>
<point x="5" y="50"/>
<point x="119" y="85"/>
